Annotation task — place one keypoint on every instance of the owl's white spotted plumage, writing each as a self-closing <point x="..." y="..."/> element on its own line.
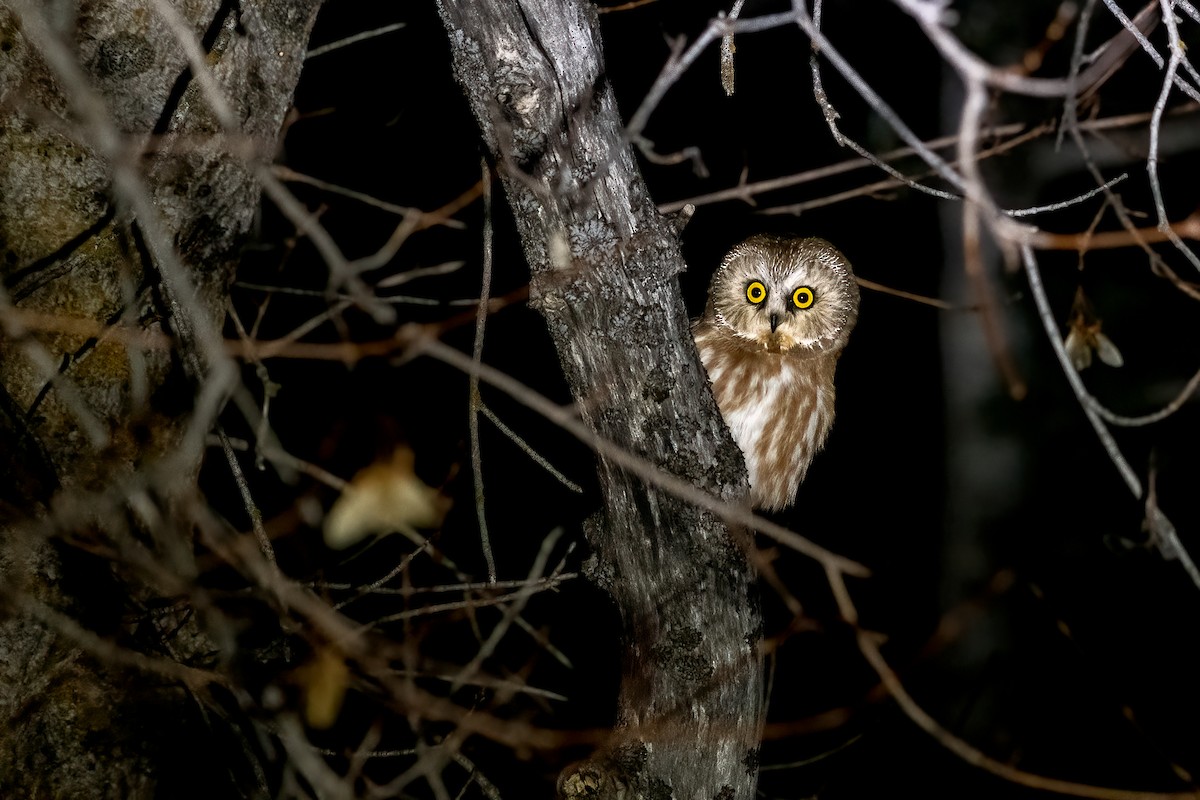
<point x="780" y="309"/>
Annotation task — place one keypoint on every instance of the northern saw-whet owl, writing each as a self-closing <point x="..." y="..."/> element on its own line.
<point x="779" y="312"/>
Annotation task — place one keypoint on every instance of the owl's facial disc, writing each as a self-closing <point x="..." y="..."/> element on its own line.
<point x="783" y="312"/>
<point x="786" y="295"/>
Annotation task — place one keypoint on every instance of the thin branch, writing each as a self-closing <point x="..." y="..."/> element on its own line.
<point x="372" y="655"/>
<point x="107" y="651"/>
<point x="401" y="278"/>
<point x="918" y="298"/>
<point x="974" y="214"/>
<point x="1188" y="228"/>
<point x="486" y="786"/>
<point x="831" y="117"/>
<point x="529" y="451"/>
<point x="889" y="184"/>
<point x="869" y="644"/>
<point x="376" y="587"/>
<point x="281" y="456"/>
<point x="1162" y="532"/>
<point x="341" y="272"/>
<point x="1070" y="116"/>
<point x="1028" y="212"/>
<point x="355" y="39"/>
<point x="1176" y="50"/>
<point x="326" y="295"/>
<point x="1135" y="31"/>
<point x="746" y="191"/>
<point x="727" y="50"/>
<point x="624" y="6"/>
<point x="1157" y="264"/>
<point x="286" y="173"/>
<point x="680" y="61"/>
<point x="871" y="97"/>
<point x="511" y="612"/>
<point x="475" y="401"/>
<point x="732" y="514"/>
<point x="931" y="15"/>
<point x="1170" y="408"/>
<point x="256" y="523"/>
<point x="14" y="324"/>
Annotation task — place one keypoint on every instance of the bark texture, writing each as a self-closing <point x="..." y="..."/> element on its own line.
<point x="604" y="265"/>
<point x="122" y="200"/>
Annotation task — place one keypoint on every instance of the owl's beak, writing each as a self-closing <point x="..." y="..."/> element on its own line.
<point x="774" y="322"/>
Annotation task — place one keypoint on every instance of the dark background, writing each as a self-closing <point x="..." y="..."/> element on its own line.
<point x="1023" y="608"/>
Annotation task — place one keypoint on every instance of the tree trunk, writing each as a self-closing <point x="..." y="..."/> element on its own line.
<point x="124" y="204"/>
<point x="604" y="266"/>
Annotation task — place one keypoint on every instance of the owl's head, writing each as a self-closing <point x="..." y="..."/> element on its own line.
<point x="785" y="293"/>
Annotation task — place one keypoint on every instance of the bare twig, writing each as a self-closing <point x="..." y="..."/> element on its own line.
<point x="14" y="323"/>
<point x="831" y="117"/>
<point x="1060" y="205"/>
<point x="278" y="455"/>
<point x="286" y="173"/>
<point x="624" y="6"/>
<point x="511" y="612"/>
<point x="982" y="209"/>
<point x="376" y="587"/>
<point x="931" y="16"/>
<point x="563" y="417"/>
<point x="1176" y="58"/>
<point x="108" y="651"/>
<point x="918" y="298"/>
<point x="355" y="39"/>
<point x="891" y="183"/>
<point x="872" y="97"/>
<point x="475" y="401"/>
<point x="260" y="533"/>
<point x="537" y="457"/>
<point x="1162" y="532"/>
<point x="727" y="50"/>
<point x="1170" y="408"/>
<point x="869" y="644"/>
<point x="746" y="191"/>
<point x="486" y="786"/>
<point x="1188" y="228"/>
<point x="680" y="61"/>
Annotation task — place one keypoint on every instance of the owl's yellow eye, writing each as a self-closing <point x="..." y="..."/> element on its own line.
<point x="803" y="297"/>
<point x="756" y="292"/>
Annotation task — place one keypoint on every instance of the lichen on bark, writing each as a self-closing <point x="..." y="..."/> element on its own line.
<point x="603" y="267"/>
<point x="85" y="413"/>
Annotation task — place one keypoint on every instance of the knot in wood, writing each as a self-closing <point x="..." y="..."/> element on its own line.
<point x="516" y="91"/>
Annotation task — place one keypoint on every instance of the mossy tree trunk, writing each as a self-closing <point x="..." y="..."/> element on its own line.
<point x="124" y="204"/>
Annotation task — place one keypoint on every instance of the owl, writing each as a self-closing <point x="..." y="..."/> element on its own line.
<point x="779" y="312"/>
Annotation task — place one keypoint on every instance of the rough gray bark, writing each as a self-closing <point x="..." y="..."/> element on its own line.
<point x="119" y="203"/>
<point x="604" y="266"/>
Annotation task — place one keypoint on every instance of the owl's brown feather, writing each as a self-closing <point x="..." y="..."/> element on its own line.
<point x="772" y="364"/>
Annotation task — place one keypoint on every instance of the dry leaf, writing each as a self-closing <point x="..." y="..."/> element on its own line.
<point x="386" y="497"/>
<point x="324" y="681"/>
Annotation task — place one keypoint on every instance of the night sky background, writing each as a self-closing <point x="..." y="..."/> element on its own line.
<point x="1023" y="607"/>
